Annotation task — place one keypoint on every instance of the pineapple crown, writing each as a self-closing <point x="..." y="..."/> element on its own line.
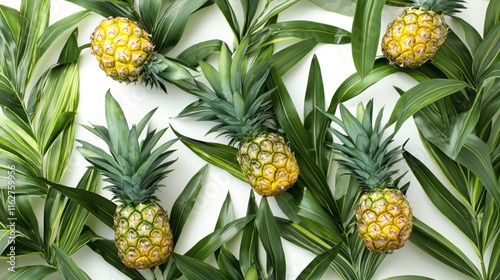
<point x="366" y="153"/>
<point x="133" y="169"/>
<point x="236" y="99"/>
<point x="447" y="7"/>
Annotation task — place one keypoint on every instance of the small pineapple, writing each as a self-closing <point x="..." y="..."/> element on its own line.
<point x="134" y="170"/>
<point x="384" y="216"/>
<point x="122" y="48"/>
<point x="126" y="53"/>
<point x="417" y="33"/>
<point x="244" y="113"/>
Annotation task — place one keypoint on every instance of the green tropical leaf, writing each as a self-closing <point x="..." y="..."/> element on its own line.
<point x="74" y="216"/>
<point x="68" y="267"/>
<point x="4" y="238"/>
<point x="30" y="272"/>
<point x="408" y="277"/>
<point x="437" y="246"/>
<point x="249" y="244"/>
<point x="220" y="155"/>
<point x="101" y="207"/>
<point x="421" y="95"/>
<point x="343" y="7"/>
<point x="472" y="37"/>
<point x="184" y="203"/>
<point x="365" y="30"/>
<point x="299" y="29"/>
<point x="229" y="14"/>
<point x="225" y="213"/>
<point x="229" y="264"/>
<point x="57" y="29"/>
<point x="317" y="267"/>
<point x="355" y="84"/>
<point x="488" y="52"/>
<point x="109" y="8"/>
<point x="301" y="144"/>
<point x="199" y="51"/>
<point x="492" y="17"/>
<point x="288" y="57"/>
<point x="107" y="250"/>
<point x="270" y="238"/>
<point x="249" y="10"/>
<point x="454" y="59"/>
<point x="443" y="199"/>
<point x="494" y="265"/>
<point x="213" y="241"/>
<point x="170" y="27"/>
<point x="193" y="268"/>
<point x="149" y="11"/>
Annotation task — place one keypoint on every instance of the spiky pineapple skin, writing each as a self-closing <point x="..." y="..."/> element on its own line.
<point x="384" y="220"/>
<point x="414" y="37"/>
<point x="142" y="235"/>
<point x="122" y="48"/>
<point x="268" y="163"/>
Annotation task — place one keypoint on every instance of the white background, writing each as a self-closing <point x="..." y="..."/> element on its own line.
<point x="136" y="100"/>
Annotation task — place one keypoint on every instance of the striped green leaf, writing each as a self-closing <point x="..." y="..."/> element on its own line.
<point x="107" y="250"/>
<point x="193" y="268"/>
<point x="317" y="267"/>
<point x="149" y="11"/>
<point x="437" y="246"/>
<point x="231" y="19"/>
<point x="101" y="207"/>
<point x="488" y="52"/>
<point x="74" y="216"/>
<point x="453" y="209"/>
<point x="57" y="29"/>
<point x="68" y="267"/>
<point x="494" y="265"/>
<point x="271" y="12"/>
<point x="365" y="30"/>
<point x="288" y="57"/>
<point x="171" y="24"/>
<point x="184" y="203"/>
<point x="492" y="16"/>
<point x="4" y="238"/>
<point x="464" y="125"/>
<point x="199" y="51"/>
<point x="29" y="272"/>
<point x="490" y="223"/>
<point x="270" y="237"/>
<point x="421" y="95"/>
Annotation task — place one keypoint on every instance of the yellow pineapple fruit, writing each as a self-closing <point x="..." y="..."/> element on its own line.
<point x="417" y="33"/>
<point x="122" y="48"/>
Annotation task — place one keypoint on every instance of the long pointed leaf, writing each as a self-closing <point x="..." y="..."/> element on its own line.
<point x="270" y="238"/>
<point x="193" y="268"/>
<point x="365" y="31"/>
<point x="185" y="201"/>
<point x="29" y="272"/>
<point x="317" y="267"/>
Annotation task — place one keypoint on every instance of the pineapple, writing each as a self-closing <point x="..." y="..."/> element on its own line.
<point x="244" y="113"/>
<point x="383" y="215"/>
<point x="142" y="231"/>
<point x="417" y="33"/>
<point x="126" y="53"/>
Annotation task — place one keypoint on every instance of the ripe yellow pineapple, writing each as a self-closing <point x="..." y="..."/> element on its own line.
<point x="126" y="53"/>
<point x="244" y="113"/>
<point x="417" y="33"/>
<point x="134" y="170"/>
<point x="122" y="48"/>
<point x="383" y="216"/>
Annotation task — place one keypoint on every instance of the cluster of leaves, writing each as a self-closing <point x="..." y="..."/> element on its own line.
<point x="37" y="128"/>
